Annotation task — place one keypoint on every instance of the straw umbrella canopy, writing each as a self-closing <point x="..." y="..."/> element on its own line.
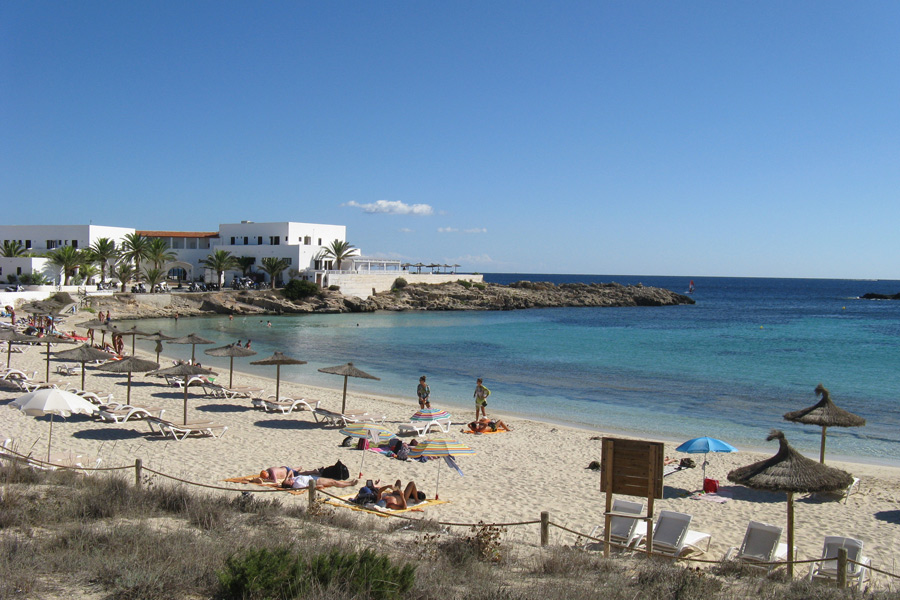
<point x="99" y="326"/>
<point x="192" y="339"/>
<point x="83" y="354"/>
<point x="157" y="337"/>
<point x="130" y="364"/>
<point x="347" y="370"/>
<point x="278" y="359"/>
<point x="231" y="351"/>
<point x="825" y="414"/>
<point x="11" y="336"/>
<point x="52" y="401"/>
<point x="186" y="371"/>
<point x="791" y="472"/>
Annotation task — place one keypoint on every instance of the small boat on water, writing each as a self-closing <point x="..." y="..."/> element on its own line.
<point x="691" y="287"/>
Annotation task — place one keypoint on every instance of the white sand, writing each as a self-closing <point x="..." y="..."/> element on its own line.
<point x="513" y="477"/>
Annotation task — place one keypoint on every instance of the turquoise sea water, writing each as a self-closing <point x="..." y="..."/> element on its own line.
<point x="729" y="366"/>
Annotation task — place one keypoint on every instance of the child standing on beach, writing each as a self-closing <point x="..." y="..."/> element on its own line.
<point x="424" y="393"/>
<point x="481" y="394"/>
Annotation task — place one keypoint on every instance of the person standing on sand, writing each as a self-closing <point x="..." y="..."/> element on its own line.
<point x="424" y="393"/>
<point x="481" y="394"/>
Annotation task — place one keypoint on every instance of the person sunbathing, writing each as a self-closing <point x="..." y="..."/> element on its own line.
<point x="484" y="424"/>
<point x="390" y="496"/>
<point x="302" y="482"/>
<point x="279" y="474"/>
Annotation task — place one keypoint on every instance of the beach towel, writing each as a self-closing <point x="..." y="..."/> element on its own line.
<point x="483" y="432"/>
<point x="267" y="484"/>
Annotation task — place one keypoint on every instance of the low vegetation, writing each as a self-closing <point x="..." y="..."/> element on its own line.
<point x="299" y="289"/>
<point x="63" y="534"/>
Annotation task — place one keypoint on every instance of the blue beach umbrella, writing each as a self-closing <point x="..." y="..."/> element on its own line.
<point x="705" y="445"/>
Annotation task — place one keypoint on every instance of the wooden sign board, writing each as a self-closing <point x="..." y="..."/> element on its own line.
<point x="632" y="468"/>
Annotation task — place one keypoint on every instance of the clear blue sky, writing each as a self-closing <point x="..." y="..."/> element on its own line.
<point x="658" y="138"/>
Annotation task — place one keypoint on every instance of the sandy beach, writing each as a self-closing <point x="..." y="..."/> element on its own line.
<point x="512" y="477"/>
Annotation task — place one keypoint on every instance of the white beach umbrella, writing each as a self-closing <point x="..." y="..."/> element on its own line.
<point x="51" y="401"/>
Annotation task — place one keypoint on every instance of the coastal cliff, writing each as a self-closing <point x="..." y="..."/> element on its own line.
<point x="447" y="296"/>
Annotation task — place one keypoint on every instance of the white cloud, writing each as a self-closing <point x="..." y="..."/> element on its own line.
<point x="455" y="230"/>
<point x="405" y="230"/>
<point x="447" y="230"/>
<point x="476" y="230"/>
<point x="393" y="207"/>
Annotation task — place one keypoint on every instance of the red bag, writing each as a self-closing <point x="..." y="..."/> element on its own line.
<point x="710" y="486"/>
<point x="362" y="444"/>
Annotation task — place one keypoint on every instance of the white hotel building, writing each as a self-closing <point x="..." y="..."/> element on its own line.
<point x="300" y="244"/>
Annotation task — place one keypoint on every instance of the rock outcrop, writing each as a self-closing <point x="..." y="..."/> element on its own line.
<point x="874" y="296"/>
<point x="447" y="296"/>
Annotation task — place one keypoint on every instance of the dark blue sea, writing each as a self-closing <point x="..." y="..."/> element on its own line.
<point x="748" y="351"/>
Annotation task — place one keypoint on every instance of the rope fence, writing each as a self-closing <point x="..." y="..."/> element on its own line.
<point x="545" y="523"/>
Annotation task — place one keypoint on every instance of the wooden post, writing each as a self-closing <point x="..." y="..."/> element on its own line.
<point x="790" y="518"/>
<point x="842" y="568"/>
<point x="607" y="474"/>
<point x="822" y="446"/>
<point x="138" y="469"/>
<point x="545" y="528"/>
<point x="312" y="494"/>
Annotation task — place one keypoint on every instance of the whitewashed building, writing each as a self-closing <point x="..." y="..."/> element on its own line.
<point x="41" y="239"/>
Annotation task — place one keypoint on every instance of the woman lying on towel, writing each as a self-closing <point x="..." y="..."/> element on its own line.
<point x="302" y="482"/>
<point x="279" y="474"/>
<point x="391" y="496"/>
<point x="484" y="424"/>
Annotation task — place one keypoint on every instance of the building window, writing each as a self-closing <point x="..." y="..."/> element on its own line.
<point x="289" y="260"/>
<point x="259" y="241"/>
<point x="307" y="240"/>
<point x="320" y="241"/>
<point x="274" y="240"/>
<point x="232" y="241"/>
<point x="18" y="270"/>
<point x="246" y="240"/>
<point x="75" y="243"/>
<point x="51" y="244"/>
<point x="28" y="244"/>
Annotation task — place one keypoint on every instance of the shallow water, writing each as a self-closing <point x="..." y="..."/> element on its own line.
<point x="729" y="366"/>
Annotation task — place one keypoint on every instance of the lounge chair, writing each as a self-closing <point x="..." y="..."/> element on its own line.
<point x="213" y="390"/>
<point x="761" y="547"/>
<point x="624" y="531"/>
<point x="287" y="405"/>
<point x="30" y="386"/>
<point x="179" y="432"/>
<point x="422" y="427"/>
<point x="334" y="418"/>
<point x="245" y="392"/>
<point x="67" y="460"/>
<point x="15" y="374"/>
<point x="129" y="413"/>
<point x="858" y="572"/>
<point x="67" y="369"/>
<point x="673" y="537"/>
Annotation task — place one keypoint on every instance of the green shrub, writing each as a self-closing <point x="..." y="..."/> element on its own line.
<point x="479" y="286"/>
<point x="334" y="288"/>
<point x="282" y="574"/>
<point x="297" y="289"/>
<point x="465" y="283"/>
<point x="399" y="284"/>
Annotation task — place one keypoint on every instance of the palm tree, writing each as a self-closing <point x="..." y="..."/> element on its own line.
<point x="159" y="253"/>
<point x="87" y="270"/>
<point x="339" y="251"/>
<point x="272" y="266"/>
<point x="134" y="249"/>
<point x="153" y="277"/>
<point x="103" y="250"/>
<point x="123" y="271"/>
<point x="68" y="259"/>
<point x="12" y="248"/>
<point x="246" y="263"/>
<point x="220" y="261"/>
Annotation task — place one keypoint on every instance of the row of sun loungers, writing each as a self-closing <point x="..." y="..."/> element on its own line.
<point x="179" y="431"/>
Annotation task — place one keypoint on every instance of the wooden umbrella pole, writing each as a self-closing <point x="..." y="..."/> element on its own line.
<point x="47" y="378"/>
<point x="790" y="548"/>
<point x="822" y="449"/>
<point x="83" y="369"/>
<point x="230" y="371"/>
<point x="128" y="391"/>
<point x="184" y="422"/>
<point x="344" y="401"/>
<point x="277" y="383"/>
<point x="50" y="439"/>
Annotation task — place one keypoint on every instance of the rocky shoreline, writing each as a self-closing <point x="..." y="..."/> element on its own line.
<point x="447" y="296"/>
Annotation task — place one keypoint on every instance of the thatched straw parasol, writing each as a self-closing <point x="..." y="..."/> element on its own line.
<point x="186" y="371"/>
<point x="825" y="414"/>
<point x="231" y="351"/>
<point x="11" y="336"/>
<point x="157" y="337"/>
<point x="133" y="332"/>
<point x="97" y="325"/>
<point x="789" y="471"/>
<point x="130" y="364"/>
<point x="278" y="359"/>
<point x="192" y="339"/>
<point x="83" y="354"/>
<point x="347" y="370"/>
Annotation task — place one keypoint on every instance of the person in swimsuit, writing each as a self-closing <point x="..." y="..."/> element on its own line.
<point x="391" y="496"/>
<point x="485" y="424"/>
<point x="423" y="392"/>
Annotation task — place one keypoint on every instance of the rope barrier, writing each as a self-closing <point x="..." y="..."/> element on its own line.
<point x="18" y="457"/>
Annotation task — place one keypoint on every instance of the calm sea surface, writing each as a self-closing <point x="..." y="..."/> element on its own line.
<point x="730" y="366"/>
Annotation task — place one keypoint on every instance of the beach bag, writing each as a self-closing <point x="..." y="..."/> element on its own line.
<point x="336" y="471"/>
<point x="687" y="463"/>
<point x="362" y="444"/>
<point x="403" y="452"/>
<point x="362" y="499"/>
<point x="710" y="486"/>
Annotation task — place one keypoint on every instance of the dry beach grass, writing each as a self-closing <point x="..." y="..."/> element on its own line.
<point x="512" y="478"/>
